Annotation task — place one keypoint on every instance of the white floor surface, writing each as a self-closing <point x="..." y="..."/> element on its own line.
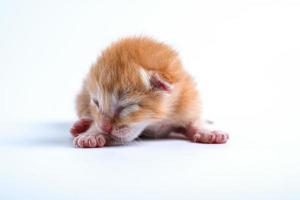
<point x="39" y="162"/>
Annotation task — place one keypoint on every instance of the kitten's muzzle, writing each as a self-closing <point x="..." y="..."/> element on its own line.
<point x="106" y="126"/>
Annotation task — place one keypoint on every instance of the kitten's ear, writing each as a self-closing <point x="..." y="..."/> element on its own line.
<point x="153" y="80"/>
<point x="159" y="83"/>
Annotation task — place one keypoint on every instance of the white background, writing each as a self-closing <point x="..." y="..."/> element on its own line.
<point x="243" y="54"/>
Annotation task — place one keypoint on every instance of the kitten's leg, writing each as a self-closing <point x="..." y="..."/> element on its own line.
<point x="81" y="126"/>
<point x="203" y="135"/>
<point x="92" y="138"/>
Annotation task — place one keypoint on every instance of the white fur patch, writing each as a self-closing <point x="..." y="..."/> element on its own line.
<point x="130" y="133"/>
<point x="145" y="77"/>
<point x="137" y="129"/>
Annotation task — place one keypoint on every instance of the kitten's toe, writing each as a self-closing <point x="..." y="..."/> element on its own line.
<point x="211" y="137"/>
<point x="220" y="137"/>
<point x="100" y="139"/>
<point x="89" y="141"/>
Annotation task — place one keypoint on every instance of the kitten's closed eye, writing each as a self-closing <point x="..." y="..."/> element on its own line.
<point x="119" y="110"/>
<point x="126" y="110"/>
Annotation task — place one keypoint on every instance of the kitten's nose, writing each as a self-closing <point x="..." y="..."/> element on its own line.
<point x="106" y="126"/>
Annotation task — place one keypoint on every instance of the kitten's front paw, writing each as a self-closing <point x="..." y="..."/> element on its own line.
<point x="211" y="137"/>
<point x="80" y="126"/>
<point x="89" y="141"/>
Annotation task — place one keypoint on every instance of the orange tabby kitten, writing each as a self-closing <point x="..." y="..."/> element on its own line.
<point x="138" y="87"/>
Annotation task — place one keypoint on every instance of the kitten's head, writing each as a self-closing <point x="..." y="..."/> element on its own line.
<point x="129" y="89"/>
<point x="132" y="99"/>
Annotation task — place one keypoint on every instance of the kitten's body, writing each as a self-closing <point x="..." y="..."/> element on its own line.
<point x="138" y="86"/>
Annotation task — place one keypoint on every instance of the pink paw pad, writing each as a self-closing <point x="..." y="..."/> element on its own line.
<point x="212" y="137"/>
<point x="80" y="126"/>
<point x="89" y="141"/>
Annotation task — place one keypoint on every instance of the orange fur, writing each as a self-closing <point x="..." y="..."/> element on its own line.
<point x="138" y="86"/>
<point x="116" y="70"/>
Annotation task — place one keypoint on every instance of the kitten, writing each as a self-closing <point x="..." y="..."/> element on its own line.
<point x="138" y="87"/>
